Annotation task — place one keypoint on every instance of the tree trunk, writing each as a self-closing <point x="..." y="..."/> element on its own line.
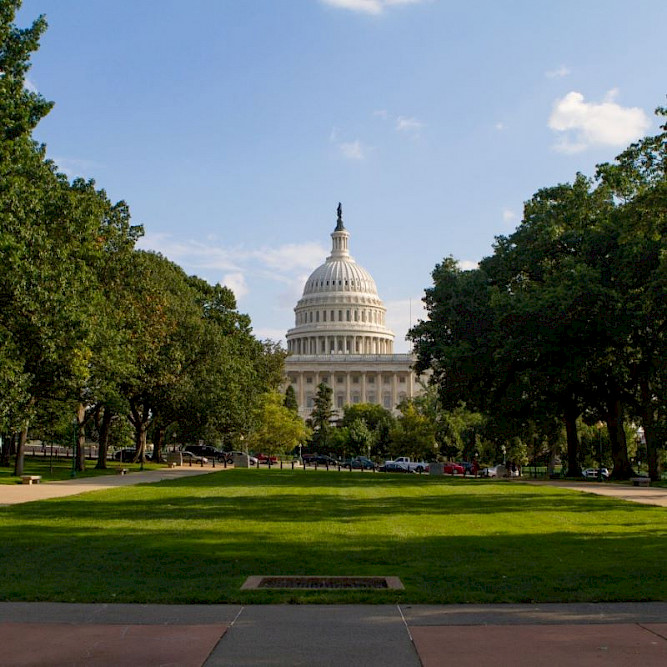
<point x="80" y="437"/>
<point x="647" y="411"/>
<point x="103" y="445"/>
<point x="619" y="446"/>
<point x="573" y="467"/>
<point x="20" y="451"/>
<point x="140" y="418"/>
<point x="158" y="443"/>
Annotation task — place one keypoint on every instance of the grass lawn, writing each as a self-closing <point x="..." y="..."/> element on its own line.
<point x="449" y="540"/>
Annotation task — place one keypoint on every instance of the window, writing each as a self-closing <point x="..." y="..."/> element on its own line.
<point x="340" y="315"/>
<point x="317" y="316"/>
<point x="325" y="379"/>
<point x="371" y="398"/>
<point x="386" y="401"/>
<point x="309" y="380"/>
<point x="386" y="379"/>
<point x="324" y="316"/>
<point x="339" y="379"/>
<point x="355" y="398"/>
<point x="332" y="316"/>
<point x="309" y="401"/>
<point x="371" y="379"/>
<point x="347" y="315"/>
<point x="339" y="401"/>
<point x="355" y="379"/>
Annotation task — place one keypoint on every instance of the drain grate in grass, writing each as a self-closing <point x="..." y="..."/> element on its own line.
<point x="317" y="583"/>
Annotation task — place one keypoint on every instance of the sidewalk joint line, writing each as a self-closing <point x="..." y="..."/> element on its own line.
<point x="653" y="632"/>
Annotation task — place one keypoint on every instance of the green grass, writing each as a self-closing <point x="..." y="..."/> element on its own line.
<point x="449" y="540"/>
<point x="61" y="468"/>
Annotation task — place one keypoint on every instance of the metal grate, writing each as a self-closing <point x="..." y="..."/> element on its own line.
<point x="315" y="583"/>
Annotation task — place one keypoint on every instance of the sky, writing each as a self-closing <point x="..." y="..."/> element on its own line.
<point x="233" y="128"/>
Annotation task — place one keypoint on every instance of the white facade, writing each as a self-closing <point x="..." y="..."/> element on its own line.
<point x="340" y="337"/>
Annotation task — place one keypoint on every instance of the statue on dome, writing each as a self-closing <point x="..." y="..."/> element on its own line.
<point x="339" y="222"/>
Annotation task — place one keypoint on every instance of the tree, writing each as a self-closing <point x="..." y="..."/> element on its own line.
<point x="290" y="401"/>
<point x="321" y="416"/>
<point x="414" y="434"/>
<point x="279" y="430"/>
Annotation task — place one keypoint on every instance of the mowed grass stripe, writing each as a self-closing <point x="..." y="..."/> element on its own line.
<point x="449" y="540"/>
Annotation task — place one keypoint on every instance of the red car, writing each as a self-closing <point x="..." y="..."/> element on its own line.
<point x="263" y="458"/>
<point x="452" y="469"/>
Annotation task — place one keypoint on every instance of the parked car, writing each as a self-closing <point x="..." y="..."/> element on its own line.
<point x="207" y="451"/>
<point x="359" y="463"/>
<point x="593" y="473"/>
<point x="189" y="457"/>
<point x="264" y="459"/>
<point x="252" y="460"/>
<point x="498" y="471"/>
<point x="394" y="466"/>
<point x="127" y="454"/>
<point x="450" y="468"/>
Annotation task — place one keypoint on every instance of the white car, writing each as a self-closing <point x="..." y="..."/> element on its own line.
<point x="494" y="471"/>
<point x="593" y="473"/>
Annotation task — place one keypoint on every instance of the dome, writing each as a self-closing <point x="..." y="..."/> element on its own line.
<point x="337" y="275"/>
<point x="340" y="310"/>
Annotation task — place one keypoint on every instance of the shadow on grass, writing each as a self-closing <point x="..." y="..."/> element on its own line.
<point x="207" y="561"/>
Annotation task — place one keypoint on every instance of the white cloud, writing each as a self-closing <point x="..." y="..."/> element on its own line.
<point x="235" y="267"/>
<point x="499" y="126"/>
<point x="29" y="85"/>
<point x="404" y="124"/>
<point x="292" y="255"/>
<point x="381" y="113"/>
<point x="74" y="167"/>
<point x="368" y="6"/>
<point x="586" y="125"/>
<point x="508" y="215"/>
<point x="467" y="264"/>
<point x="276" y="335"/>
<point x="352" y="150"/>
<point x="236" y="282"/>
<point x="557" y="73"/>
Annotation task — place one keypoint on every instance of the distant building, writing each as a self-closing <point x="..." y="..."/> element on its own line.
<point x="340" y="337"/>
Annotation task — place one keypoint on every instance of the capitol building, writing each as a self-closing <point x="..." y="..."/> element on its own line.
<point x="340" y="337"/>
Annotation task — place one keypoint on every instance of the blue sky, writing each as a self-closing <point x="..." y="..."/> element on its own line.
<point x="234" y="127"/>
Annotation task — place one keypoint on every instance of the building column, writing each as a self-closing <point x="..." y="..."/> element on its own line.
<point x="348" y="381"/>
<point x="363" y="387"/>
<point x="394" y="390"/>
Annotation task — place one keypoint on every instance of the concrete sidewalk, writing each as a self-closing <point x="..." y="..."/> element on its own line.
<point x="646" y="495"/>
<point x="11" y="494"/>
<point x="623" y="634"/>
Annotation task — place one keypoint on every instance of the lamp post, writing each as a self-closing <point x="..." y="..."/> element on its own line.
<point x="76" y="440"/>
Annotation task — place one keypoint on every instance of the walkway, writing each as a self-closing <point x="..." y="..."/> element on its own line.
<point x="647" y="495"/>
<point x="384" y="635"/>
<point x="11" y="494"/>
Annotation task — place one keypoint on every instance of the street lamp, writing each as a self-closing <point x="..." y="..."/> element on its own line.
<point x="76" y="439"/>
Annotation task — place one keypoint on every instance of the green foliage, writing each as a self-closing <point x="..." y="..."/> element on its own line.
<point x="320" y="418"/>
<point x="278" y="429"/>
<point x="290" y="401"/>
<point x="414" y="434"/>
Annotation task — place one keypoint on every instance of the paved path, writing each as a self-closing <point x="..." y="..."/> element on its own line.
<point x="647" y="495"/>
<point x="624" y="635"/>
<point x="11" y="494"/>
